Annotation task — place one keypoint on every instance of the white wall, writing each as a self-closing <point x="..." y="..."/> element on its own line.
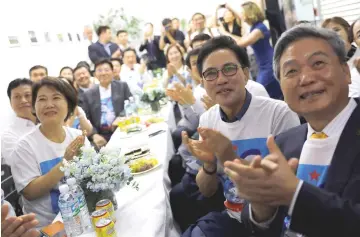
<point x="17" y="17"/>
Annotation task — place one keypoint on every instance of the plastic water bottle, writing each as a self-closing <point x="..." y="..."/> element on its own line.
<point x="84" y="212"/>
<point x="128" y="108"/>
<point x="70" y="212"/>
<point x="133" y="105"/>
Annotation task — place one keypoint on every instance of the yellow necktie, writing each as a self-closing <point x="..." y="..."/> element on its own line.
<point x="319" y="135"/>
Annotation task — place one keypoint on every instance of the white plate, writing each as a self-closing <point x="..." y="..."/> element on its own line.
<point x="143" y="172"/>
<point x="123" y="135"/>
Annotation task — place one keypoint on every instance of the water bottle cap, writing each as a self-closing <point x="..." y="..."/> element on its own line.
<point x="71" y="181"/>
<point x="64" y="188"/>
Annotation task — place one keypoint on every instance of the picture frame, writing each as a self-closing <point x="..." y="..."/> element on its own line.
<point x="47" y="37"/>
<point x="32" y="37"/>
<point x="13" y="41"/>
<point x="70" y="37"/>
<point x="60" y="37"/>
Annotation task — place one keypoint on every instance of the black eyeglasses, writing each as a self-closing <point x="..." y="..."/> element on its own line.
<point x="228" y="70"/>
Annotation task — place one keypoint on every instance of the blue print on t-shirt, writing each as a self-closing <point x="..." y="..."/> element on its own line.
<point x="45" y="167"/>
<point x="107" y="112"/>
<point x="76" y="123"/>
<point x="246" y="149"/>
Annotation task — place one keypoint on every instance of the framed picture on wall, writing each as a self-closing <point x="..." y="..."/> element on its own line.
<point x="32" y="37"/>
<point x="78" y="37"/>
<point x="13" y="41"/>
<point x="60" y="38"/>
<point x="47" y="37"/>
<point x="70" y="38"/>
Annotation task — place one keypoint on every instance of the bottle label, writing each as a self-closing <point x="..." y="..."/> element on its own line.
<point x="82" y="201"/>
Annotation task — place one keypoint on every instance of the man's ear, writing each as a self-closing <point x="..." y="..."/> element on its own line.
<point x="247" y="74"/>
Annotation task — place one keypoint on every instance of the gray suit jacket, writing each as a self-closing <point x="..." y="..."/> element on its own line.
<point x="92" y="105"/>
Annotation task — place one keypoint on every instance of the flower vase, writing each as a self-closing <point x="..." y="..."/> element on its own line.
<point x="155" y="106"/>
<point x="93" y="197"/>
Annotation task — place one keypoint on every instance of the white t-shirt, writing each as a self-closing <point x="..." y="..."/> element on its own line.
<point x="133" y="78"/>
<point x="35" y="156"/>
<point x="9" y="139"/>
<point x="256" y="89"/>
<point x="263" y="117"/>
<point x="213" y="32"/>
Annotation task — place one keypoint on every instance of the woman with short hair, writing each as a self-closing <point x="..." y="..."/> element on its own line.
<point x="39" y="154"/>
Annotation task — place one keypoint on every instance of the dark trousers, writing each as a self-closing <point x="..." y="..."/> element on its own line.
<point x="274" y="90"/>
<point x="188" y="204"/>
<point x="217" y="224"/>
<point x="176" y="170"/>
<point x="176" y="135"/>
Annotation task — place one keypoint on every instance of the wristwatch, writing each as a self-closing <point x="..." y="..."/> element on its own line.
<point x="210" y="172"/>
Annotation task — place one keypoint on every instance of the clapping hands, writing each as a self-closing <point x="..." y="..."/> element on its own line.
<point x="22" y="226"/>
<point x="270" y="181"/>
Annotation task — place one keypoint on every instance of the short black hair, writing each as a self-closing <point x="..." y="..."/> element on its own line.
<point x="66" y="67"/>
<point x="61" y="86"/>
<point x="81" y="66"/>
<point x="200" y="37"/>
<point x="104" y="61"/>
<point x="117" y="59"/>
<point x="222" y="42"/>
<point x="102" y="29"/>
<point x="129" y="49"/>
<point x="193" y="52"/>
<point x="166" y="21"/>
<point x="16" y="83"/>
<point x="83" y="63"/>
<point x="121" y="31"/>
<point x="37" y="67"/>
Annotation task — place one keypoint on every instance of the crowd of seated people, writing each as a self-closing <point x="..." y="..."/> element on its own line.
<point x="244" y="163"/>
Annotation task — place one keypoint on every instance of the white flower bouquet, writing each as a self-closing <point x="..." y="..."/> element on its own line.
<point x="153" y="96"/>
<point x="100" y="174"/>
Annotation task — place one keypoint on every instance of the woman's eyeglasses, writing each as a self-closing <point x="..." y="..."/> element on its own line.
<point x="228" y="70"/>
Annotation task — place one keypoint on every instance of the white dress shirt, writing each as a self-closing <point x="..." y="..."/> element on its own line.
<point x="132" y="77"/>
<point x="12" y="135"/>
<point x="333" y="129"/>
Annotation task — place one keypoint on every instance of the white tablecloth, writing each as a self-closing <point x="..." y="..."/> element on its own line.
<point x="147" y="212"/>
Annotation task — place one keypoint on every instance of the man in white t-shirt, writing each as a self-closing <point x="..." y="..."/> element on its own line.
<point x="245" y="120"/>
<point x="19" y="92"/>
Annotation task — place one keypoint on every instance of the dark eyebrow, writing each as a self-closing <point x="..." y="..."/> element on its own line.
<point x="317" y="53"/>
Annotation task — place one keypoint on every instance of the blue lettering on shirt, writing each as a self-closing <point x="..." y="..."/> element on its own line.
<point x="45" y="168"/>
<point x="245" y="149"/>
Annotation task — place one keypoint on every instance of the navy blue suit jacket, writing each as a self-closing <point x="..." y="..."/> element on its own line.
<point x="91" y="103"/>
<point x="97" y="51"/>
<point x="334" y="210"/>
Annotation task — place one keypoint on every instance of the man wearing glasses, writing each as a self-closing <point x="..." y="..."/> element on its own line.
<point x="244" y="120"/>
<point x="103" y="103"/>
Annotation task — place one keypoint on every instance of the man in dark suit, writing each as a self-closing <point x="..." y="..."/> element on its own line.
<point x="104" y="103"/>
<point x="322" y="198"/>
<point x="155" y="56"/>
<point x="103" y="48"/>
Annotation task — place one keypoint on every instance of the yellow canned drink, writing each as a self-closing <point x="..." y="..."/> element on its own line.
<point x="108" y="206"/>
<point x="99" y="214"/>
<point x="105" y="227"/>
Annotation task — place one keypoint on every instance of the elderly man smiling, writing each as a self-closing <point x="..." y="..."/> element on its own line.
<point x="323" y="197"/>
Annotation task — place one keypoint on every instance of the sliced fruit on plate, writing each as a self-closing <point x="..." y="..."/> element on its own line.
<point x="143" y="164"/>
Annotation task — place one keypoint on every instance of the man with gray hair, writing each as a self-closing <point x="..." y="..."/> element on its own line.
<point x="317" y="193"/>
